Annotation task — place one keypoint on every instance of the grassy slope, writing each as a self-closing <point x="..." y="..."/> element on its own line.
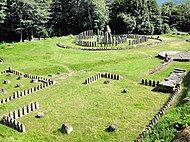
<point x="90" y="109"/>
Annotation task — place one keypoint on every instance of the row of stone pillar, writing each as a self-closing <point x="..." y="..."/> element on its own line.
<point x="137" y="41"/>
<point x="10" y="119"/>
<point x="3" y="72"/>
<point x="102" y="75"/>
<point x="105" y="48"/>
<point x="93" y="78"/>
<point x="111" y="76"/>
<point x="24" y="110"/>
<point x="157" y="117"/>
<point x="88" y="43"/>
<point x="86" y="34"/>
<point x="14" y="124"/>
<point x="132" y="36"/>
<point x="40" y="79"/>
<point x="19" y="94"/>
<point x="121" y="38"/>
<point x="150" y="82"/>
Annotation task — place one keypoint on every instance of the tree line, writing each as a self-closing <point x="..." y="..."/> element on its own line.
<point x="26" y="19"/>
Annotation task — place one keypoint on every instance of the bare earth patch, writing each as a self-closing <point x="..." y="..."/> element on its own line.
<point x="183" y="135"/>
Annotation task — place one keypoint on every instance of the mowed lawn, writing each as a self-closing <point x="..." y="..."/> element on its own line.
<point x="90" y="109"/>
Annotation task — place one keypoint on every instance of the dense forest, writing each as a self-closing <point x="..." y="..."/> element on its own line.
<point x="28" y="19"/>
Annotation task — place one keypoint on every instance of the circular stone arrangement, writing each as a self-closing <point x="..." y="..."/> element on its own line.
<point x="106" y="39"/>
<point x="101" y="41"/>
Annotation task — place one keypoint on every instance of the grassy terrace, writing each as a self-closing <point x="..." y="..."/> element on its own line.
<point x="89" y="108"/>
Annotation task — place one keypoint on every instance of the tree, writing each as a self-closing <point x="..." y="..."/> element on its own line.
<point x="2" y="11"/>
<point x="27" y="18"/>
<point x="141" y="14"/>
<point x="177" y="16"/>
<point x="75" y="16"/>
<point x="100" y="14"/>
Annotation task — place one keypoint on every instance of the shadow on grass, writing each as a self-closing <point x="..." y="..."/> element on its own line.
<point x="186" y="89"/>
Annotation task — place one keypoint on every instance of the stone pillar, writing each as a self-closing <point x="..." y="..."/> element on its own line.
<point x="24" y="110"/>
<point x="15" y="115"/>
<point x="2" y="101"/>
<point x="154" y="84"/>
<point x="112" y="76"/>
<point x="20" y="112"/>
<point x="142" y="82"/>
<point x="32" y="107"/>
<point x="7" y="100"/>
<point x="11" y="98"/>
<point x="17" y="126"/>
<point x="22" y="128"/>
<point x="146" y="82"/>
<point x="37" y="105"/>
<point x="11" y="114"/>
<point x="28" y="108"/>
<point x="157" y="83"/>
<point x="150" y="83"/>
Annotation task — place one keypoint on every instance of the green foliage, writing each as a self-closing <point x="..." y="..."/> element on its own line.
<point x="47" y="18"/>
<point x="27" y="18"/>
<point x="177" y="16"/>
<point x="141" y="14"/>
<point x="100" y="14"/>
<point x="166" y="28"/>
<point x="86" y="14"/>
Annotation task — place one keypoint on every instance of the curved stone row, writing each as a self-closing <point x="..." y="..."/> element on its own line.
<point x="106" y="48"/>
<point x="10" y="119"/>
<point x="149" y="82"/>
<point x="104" y="39"/>
<point x="102" y="75"/>
<point x="157" y="117"/>
<point x="138" y="41"/>
<point x="18" y="94"/>
<point x="86" y="34"/>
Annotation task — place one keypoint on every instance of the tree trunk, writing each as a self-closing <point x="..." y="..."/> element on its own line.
<point x="89" y="15"/>
<point x="21" y="36"/>
<point x="32" y="34"/>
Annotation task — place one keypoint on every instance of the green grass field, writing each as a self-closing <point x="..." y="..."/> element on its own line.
<point x="90" y="109"/>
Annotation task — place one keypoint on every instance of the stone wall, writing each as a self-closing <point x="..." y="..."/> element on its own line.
<point x="173" y="81"/>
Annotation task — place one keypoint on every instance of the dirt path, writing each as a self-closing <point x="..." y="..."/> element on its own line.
<point x="160" y="67"/>
<point x="63" y="76"/>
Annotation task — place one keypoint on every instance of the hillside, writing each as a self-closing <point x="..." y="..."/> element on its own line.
<point x="90" y="109"/>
